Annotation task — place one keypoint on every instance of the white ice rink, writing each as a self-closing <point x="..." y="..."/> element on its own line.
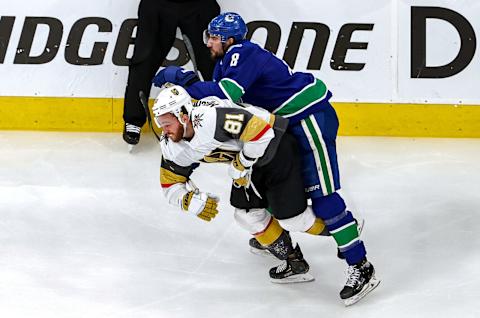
<point x="85" y="232"/>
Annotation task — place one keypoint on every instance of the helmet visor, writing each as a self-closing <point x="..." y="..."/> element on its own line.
<point x="165" y="121"/>
<point x="207" y="36"/>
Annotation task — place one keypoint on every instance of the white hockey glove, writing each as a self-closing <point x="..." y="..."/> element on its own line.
<point x="241" y="170"/>
<point x="204" y="205"/>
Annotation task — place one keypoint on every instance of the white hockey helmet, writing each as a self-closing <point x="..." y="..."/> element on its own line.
<point x="174" y="99"/>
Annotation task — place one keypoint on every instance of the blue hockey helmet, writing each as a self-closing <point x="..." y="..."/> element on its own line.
<point x="228" y="25"/>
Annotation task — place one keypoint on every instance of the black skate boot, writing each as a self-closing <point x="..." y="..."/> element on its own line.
<point x="292" y="270"/>
<point x="258" y="249"/>
<point x="131" y="135"/>
<point x="360" y="281"/>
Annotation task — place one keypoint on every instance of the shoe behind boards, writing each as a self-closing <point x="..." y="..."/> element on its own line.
<point x="131" y="135"/>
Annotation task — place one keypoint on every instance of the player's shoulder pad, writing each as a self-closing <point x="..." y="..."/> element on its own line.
<point x="244" y="55"/>
<point x="244" y="48"/>
<point x="204" y="116"/>
<point x="209" y="101"/>
<point x="235" y="48"/>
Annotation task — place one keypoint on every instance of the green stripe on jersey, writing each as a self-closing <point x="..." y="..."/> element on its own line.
<point x="231" y="89"/>
<point x="308" y="96"/>
<point x="321" y="155"/>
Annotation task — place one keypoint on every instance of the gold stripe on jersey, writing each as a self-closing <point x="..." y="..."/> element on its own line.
<point x="270" y="234"/>
<point x="254" y="129"/>
<point x="169" y="178"/>
<point x="271" y="121"/>
<point x="317" y="228"/>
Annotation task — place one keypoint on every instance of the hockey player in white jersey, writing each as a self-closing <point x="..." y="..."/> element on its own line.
<point x="246" y="72"/>
<point x="265" y="168"/>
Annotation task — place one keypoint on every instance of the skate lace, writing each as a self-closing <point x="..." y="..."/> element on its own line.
<point x="281" y="267"/>
<point x="132" y="128"/>
<point x="353" y="276"/>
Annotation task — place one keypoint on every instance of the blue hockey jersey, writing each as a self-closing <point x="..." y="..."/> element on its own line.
<point x="248" y="73"/>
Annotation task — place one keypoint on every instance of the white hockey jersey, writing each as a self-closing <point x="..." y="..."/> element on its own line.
<point x="221" y="129"/>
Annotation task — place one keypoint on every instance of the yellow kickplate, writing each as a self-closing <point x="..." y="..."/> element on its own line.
<point x="356" y="119"/>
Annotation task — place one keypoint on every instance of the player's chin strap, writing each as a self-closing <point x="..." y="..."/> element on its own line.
<point x="184" y="125"/>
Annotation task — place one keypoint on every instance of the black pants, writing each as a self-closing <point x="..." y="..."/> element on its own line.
<point x="157" y="24"/>
<point x="279" y="182"/>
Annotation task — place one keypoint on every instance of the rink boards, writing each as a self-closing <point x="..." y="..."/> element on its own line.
<point x="399" y="68"/>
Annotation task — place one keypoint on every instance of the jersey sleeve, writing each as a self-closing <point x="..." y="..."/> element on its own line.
<point x="238" y="70"/>
<point x="178" y="163"/>
<point x="252" y="130"/>
<point x="173" y="179"/>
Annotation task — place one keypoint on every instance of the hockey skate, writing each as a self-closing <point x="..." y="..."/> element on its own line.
<point x="292" y="270"/>
<point x="131" y="135"/>
<point x="361" y="280"/>
<point x="257" y="248"/>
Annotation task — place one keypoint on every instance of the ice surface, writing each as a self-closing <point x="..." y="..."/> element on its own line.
<point x="85" y="232"/>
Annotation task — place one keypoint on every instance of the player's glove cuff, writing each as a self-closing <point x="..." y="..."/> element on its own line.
<point x="203" y="205"/>
<point x="240" y="170"/>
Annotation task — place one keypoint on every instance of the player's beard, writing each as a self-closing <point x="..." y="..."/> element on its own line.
<point x="178" y="135"/>
<point x="216" y="55"/>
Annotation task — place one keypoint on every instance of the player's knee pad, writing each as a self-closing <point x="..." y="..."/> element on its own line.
<point x="299" y="223"/>
<point x="333" y="211"/>
<point x="304" y="222"/>
<point x="329" y="206"/>
<point x="254" y="221"/>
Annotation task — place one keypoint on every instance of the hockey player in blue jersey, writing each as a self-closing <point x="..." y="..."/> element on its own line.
<point x="245" y="72"/>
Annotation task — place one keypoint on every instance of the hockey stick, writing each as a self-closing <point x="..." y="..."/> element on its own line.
<point x="143" y="100"/>
<point x="188" y="45"/>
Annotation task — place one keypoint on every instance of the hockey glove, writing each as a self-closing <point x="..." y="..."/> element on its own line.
<point x="204" y="205"/>
<point x="175" y="75"/>
<point x="241" y="169"/>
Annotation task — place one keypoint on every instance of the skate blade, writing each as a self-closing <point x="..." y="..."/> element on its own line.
<point x="299" y="278"/>
<point x="372" y="284"/>
<point x="263" y="253"/>
<point x="130" y="148"/>
<point x="360" y="225"/>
